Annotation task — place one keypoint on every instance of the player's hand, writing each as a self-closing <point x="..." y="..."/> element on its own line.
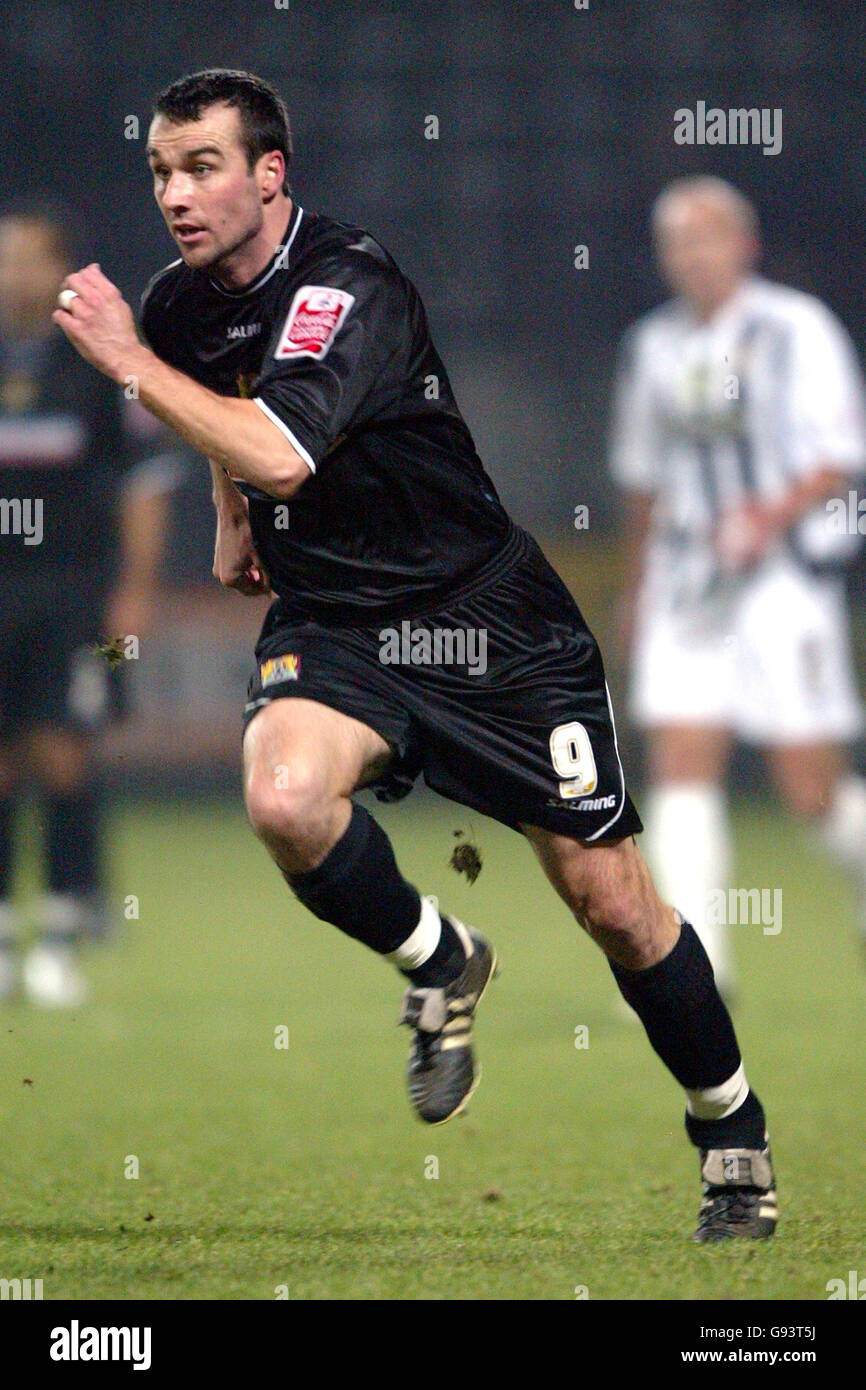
<point x="99" y="322"/>
<point x="236" y="564"/>
<point x="743" y="536"/>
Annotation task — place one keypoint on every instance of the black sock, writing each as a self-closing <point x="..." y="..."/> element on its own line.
<point x="73" y="840"/>
<point x="445" y="964"/>
<point x="359" y="888"/>
<point x="7" y="849"/>
<point x="7" y="845"/>
<point x="690" y="1028"/>
<point x="746" y="1128"/>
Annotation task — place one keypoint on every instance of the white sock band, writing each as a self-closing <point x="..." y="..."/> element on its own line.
<point x="718" y="1102"/>
<point x="420" y="945"/>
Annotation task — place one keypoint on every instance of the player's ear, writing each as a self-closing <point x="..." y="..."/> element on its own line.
<point x="271" y="175"/>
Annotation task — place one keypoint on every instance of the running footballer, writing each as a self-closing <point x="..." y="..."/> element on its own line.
<point x="293" y="352"/>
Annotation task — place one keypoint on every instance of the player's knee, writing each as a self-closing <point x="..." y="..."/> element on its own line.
<point x="809" y="801"/>
<point x="61" y="761"/>
<point x="614" y="911"/>
<point x="287" y="804"/>
<point x="614" y="901"/>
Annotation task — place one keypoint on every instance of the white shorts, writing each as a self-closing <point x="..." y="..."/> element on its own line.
<point x="771" y="661"/>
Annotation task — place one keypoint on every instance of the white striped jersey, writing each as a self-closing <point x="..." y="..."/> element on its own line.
<point x="708" y="415"/>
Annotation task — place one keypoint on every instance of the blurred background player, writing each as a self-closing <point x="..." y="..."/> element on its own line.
<point x="739" y="412"/>
<point x="75" y="484"/>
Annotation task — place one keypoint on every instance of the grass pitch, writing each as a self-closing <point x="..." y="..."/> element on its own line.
<point x="266" y="1171"/>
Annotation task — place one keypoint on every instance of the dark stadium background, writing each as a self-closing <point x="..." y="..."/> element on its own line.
<point x="556" y="128"/>
<point x="267" y="1172"/>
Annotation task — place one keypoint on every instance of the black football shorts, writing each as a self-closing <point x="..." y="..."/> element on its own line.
<point x="499" y="698"/>
<point x="50" y="674"/>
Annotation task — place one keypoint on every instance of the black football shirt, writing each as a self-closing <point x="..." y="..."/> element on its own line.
<point x="63" y="446"/>
<point x="331" y="342"/>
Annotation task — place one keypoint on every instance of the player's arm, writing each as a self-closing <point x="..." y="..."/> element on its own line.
<point x="745" y="531"/>
<point x="235" y="564"/>
<point x="638" y="510"/>
<point x="827" y="480"/>
<point x="144" y="520"/>
<point x="634" y="453"/>
<point x="826" y="436"/>
<point x="234" y="433"/>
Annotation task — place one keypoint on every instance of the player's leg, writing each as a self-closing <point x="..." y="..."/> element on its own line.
<point x="302" y="763"/>
<point x="303" y="760"/>
<point x="9" y="915"/>
<point x="818" y="786"/>
<point x="688" y="839"/>
<point x="807" y="709"/>
<point x="664" y="973"/>
<point x="62" y="759"/>
<point x="683" y="677"/>
<point x="66" y="693"/>
<point x="14" y="699"/>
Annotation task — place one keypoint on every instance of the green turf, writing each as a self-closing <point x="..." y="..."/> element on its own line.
<point x="263" y="1167"/>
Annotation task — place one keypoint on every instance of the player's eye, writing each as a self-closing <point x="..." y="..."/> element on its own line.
<point x="202" y="168"/>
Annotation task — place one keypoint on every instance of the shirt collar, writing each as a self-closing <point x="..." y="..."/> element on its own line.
<point x="279" y="261"/>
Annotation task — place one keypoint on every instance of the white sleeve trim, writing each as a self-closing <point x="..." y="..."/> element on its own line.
<point x="281" y="425"/>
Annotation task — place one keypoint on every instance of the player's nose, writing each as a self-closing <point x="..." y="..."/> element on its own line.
<point x="176" y="193"/>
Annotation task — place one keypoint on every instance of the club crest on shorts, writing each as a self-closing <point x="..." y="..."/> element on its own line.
<point x="280" y="668"/>
<point x="314" y="320"/>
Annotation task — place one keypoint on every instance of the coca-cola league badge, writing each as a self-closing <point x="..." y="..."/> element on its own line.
<point x="313" y="322"/>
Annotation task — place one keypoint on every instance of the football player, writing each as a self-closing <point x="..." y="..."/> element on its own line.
<point x="739" y="413"/>
<point x="86" y="502"/>
<point x="293" y="352"/>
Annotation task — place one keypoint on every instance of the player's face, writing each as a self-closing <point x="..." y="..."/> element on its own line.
<point x="703" y="251"/>
<point x="31" y="272"/>
<point x="206" y="191"/>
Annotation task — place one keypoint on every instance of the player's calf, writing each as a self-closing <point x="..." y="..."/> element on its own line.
<point x="359" y="889"/>
<point x="340" y="864"/>
<point x="685" y="1018"/>
<point x="609" y="889"/>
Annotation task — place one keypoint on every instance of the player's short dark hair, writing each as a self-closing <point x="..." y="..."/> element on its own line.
<point x="264" y="118"/>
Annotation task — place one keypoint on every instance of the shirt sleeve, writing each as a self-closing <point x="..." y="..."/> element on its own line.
<point x="326" y="367"/>
<point x="635" y="437"/>
<point x="147" y="325"/>
<point x="827" y="410"/>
